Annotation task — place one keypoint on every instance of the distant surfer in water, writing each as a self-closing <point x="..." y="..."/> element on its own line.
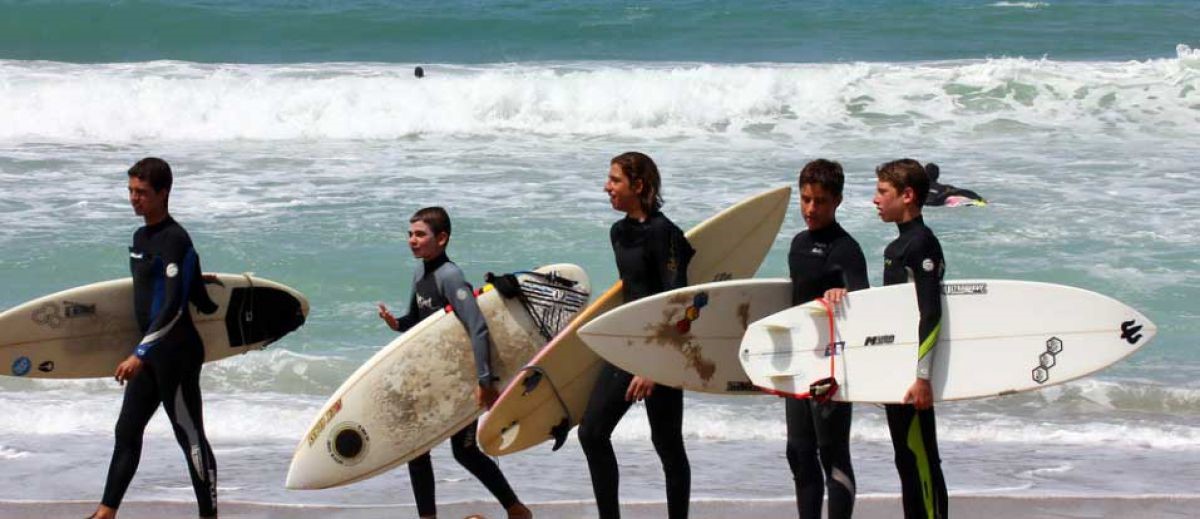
<point x="915" y="257"/>
<point x="652" y="256"/>
<point x="437" y="283"/>
<point x="824" y="261"/>
<point x="946" y="194"/>
<point x="419" y="72"/>
<point x="165" y="366"/>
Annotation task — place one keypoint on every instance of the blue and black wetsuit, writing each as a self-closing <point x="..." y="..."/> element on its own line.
<point x="436" y="284"/>
<point x="652" y="257"/>
<point x="916" y="257"/>
<point x="818" y="261"/>
<point x="166" y="278"/>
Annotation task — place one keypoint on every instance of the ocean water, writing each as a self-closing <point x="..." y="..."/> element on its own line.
<point x="301" y="142"/>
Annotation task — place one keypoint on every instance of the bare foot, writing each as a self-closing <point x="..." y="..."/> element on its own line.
<point x="103" y="512"/>
<point x="519" y="511"/>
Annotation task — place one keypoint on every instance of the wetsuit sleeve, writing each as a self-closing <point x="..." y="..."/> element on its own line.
<point x="852" y="265"/>
<point x="199" y="294"/>
<point x="670" y="254"/>
<point x="925" y="263"/>
<point x="174" y="271"/>
<point x="410" y="319"/>
<point x="462" y="298"/>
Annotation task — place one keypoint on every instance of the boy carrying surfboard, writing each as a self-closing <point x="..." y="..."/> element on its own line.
<point x="824" y="261"/>
<point x="438" y="283"/>
<point x="915" y="256"/>
<point x="165" y="366"/>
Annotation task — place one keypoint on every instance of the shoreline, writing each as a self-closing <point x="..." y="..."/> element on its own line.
<point x="872" y="506"/>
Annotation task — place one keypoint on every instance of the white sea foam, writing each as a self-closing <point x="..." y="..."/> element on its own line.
<point x="1026" y="5"/>
<point x="137" y="102"/>
<point x="242" y="417"/>
<point x="8" y="453"/>
<point x="250" y="416"/>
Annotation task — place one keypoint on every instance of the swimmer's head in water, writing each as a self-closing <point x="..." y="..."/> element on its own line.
<point x="932" y="171"/>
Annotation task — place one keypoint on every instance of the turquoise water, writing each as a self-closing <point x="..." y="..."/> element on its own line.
<point x="469" y="31"/>
<point x="301" y="144"/>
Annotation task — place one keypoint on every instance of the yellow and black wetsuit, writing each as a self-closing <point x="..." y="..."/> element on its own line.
<point x="916" y="257"/>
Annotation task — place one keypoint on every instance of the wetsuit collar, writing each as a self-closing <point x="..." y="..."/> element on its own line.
<point x="911" y="224"/>
<point x="433" y="264"/>
<point x="160" y="225"/>
<point x="634" y="221"/>
<point x="832" y="230"/>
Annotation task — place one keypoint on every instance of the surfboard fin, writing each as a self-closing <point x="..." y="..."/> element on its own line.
<point x="559" y="432"/>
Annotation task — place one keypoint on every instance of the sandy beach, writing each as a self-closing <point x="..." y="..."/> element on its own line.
<point x="869" y="507"/>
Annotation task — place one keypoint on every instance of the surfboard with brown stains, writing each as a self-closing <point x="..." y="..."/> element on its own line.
<point x="688" y="338"/>
<point x="419" y="389"/>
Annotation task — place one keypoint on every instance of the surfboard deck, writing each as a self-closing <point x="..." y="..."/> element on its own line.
<point x="85" y="332"/>
<point x="998" y="337"/>
<point x="419" y="389"/>
<point x="547" y="398"/>
<point x="688" y="338"/>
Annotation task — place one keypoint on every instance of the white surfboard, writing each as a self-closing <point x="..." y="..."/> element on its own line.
<point x="997" y="337"/>
<point x="84" y="332"/>
<point x="547" y="398"/>
<point x="419" y="389"/>
<point x="689" y="338"/>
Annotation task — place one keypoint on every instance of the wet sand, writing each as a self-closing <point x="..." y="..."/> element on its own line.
<point x="867" y="507"/>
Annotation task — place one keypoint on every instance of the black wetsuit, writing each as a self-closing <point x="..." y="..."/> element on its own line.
<point x="166" y="277"/>
<point x="916" y="257"/>
<point x="652" y="257"/>
<point x="436" y="284"/>
<point x="818" y="261"/>
<point x="938" y="193"/>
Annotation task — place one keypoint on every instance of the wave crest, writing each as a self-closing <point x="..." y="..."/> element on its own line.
<point x="190" y="101"/>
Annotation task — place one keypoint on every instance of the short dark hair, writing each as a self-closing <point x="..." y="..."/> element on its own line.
<point x="637" y="167"/>
<point x="154" y="170"/>
<point x="905" y="173"/>
<point x="824" y="173"/>
<point x="435" y="217"/>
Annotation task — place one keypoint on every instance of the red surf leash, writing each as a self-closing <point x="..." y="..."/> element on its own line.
<point x="822" y="390"/>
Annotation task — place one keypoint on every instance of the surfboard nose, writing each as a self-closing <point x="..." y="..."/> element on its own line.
<point x="300" y="479"/>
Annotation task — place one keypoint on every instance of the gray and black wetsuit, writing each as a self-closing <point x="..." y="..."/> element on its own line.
<point x="818" y="261"/>
<point x="916" y="257"/>
<point x="436" y="284"/>
<point x="652" y="257"/>
<point x="166" y="277"/>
